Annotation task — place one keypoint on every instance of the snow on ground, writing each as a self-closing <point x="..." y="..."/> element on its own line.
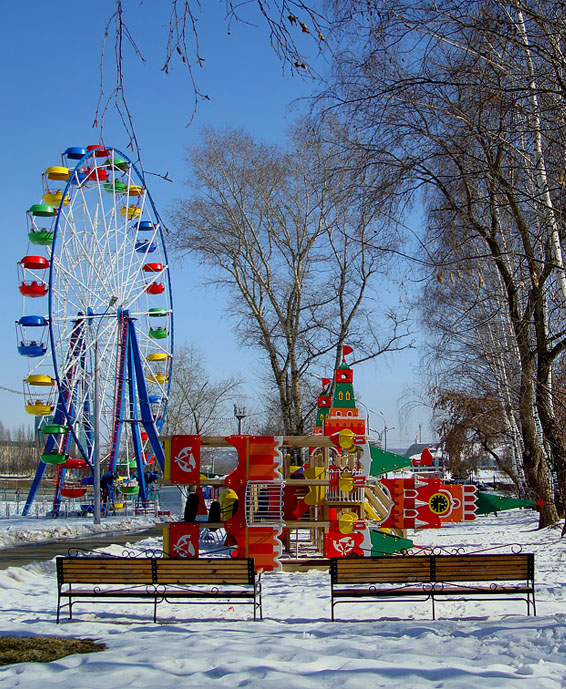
<point x="483" y="644"/>
<point x="20" y="530"/>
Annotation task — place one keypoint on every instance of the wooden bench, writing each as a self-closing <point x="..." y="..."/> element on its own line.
<point x="157" y="580"/>
<point x="424" y="577"/>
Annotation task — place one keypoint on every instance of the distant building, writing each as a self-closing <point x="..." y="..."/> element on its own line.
<point x="416" y="450"/>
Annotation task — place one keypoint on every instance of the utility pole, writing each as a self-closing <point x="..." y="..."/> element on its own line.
<point x="96" y="439"/>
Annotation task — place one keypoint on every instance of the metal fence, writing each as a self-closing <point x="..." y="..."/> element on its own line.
<point x="12" y="504"/>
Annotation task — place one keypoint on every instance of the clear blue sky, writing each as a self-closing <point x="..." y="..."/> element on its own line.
<point x="51" y="56"/>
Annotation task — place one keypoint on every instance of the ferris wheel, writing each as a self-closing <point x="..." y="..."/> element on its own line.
<point x="100" y="360"/>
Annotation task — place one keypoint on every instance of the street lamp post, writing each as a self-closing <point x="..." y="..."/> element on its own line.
<point x="368" y="410"/>
<point x="240" y="413"/>
<point x="96" y="439"/>
<point x="385" y="429"/>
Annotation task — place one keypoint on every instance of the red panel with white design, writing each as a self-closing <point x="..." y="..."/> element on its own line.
<point x="183" y="540"/>
<point x="185" y="459"/>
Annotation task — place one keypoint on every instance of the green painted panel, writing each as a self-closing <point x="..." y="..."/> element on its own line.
<point x="115" y="186"/>
<point x="383" y="543"/>
<point x="157" y="333"/>
<point x="42" y="210"/>
<point x="53" y="458"/>
<point x="489" y="502"/>
<point x="383" y="461"/>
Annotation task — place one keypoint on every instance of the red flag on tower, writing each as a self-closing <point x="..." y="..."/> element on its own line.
<point x="346" y="349"/>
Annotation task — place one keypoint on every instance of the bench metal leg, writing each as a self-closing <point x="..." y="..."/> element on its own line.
<point x="258" y="605"/>
<point x="532" y="603"/>
<point x="60" y="606"/>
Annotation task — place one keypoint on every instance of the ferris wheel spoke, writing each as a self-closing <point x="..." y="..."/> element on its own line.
<point x="89" y="248"/>
<point x="134" y="263"/>
<point x="83" y="254"/>
<point x="82" y="290"/>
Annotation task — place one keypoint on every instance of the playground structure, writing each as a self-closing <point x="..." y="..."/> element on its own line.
<point x="349" y="495"/>
<point x="100" y="355"/>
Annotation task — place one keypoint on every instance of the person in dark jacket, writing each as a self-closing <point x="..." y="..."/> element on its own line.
<point x="191" y="507"/>
<point x="107" y="490"/>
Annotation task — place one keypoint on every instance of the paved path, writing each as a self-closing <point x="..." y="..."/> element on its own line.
<point x="32" y="552"/>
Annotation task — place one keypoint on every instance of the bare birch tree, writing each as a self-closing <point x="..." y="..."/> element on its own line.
<point x="464" y="100"/>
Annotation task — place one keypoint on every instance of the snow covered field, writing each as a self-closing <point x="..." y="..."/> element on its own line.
<point x="489" y="645"/>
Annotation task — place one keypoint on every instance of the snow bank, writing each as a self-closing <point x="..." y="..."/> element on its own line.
<point x="20" y="530"/>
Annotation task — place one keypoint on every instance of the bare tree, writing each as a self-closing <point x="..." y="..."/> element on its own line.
<point x="472" y="428"/>
<point x="18" y="451"/>
<point x="472" y="347"/>
<point x="197" y="404"/>
<point x="291" y="235"/>
<point x="287" y="22"/>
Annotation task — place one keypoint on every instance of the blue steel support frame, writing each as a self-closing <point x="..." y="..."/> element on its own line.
<point x="136" y="438"/>
<point x="120" y="384"/>
<point x="143" y="398"/>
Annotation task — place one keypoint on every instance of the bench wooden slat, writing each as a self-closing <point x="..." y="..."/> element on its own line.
<point x="206" y="562"/>
<point x="382" y="570"/>
<point x="450" y="572"/>
<point x="217" y="571"/>
<point x="235" y="563"/>
<point x="113" y="579"/>
<point x="382" y="577"/>
<point x="438" y="576"/>
<point x="381" y="591"/>
<point x="107" y="564"/>
<point x="157" y="579"/>
<point x="107" y="571"/>
<point x="405" y="561"/>
<point x="104" y="570"/>
<point x="373" y="570"/>
<point x="212" y="571"/>
<point x="183" y="567"/>
<point x="195" y="579"/>
<point x="469" y="573"/>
